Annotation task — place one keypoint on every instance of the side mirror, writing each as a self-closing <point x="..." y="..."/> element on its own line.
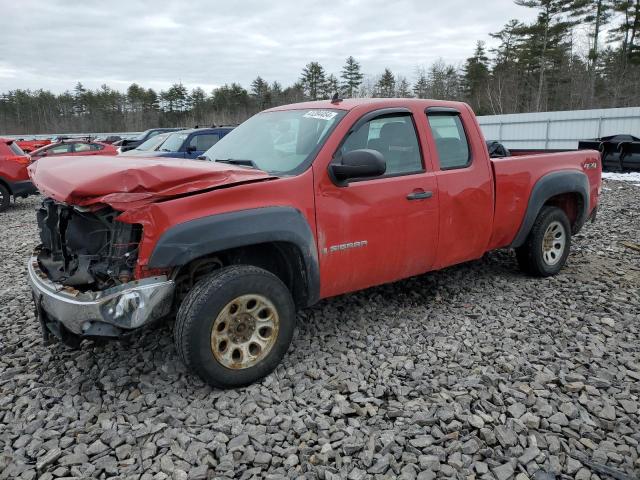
<point x="191" y="148"/>
<point x="361" y="163"/>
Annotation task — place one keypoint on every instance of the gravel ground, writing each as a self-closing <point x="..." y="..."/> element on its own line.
<point x="473" y="372"/>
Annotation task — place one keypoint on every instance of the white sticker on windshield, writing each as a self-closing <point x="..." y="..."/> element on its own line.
<point x="320" y="114"/>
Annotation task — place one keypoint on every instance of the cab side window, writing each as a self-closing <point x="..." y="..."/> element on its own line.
<point x="451" y="140"/>
<point x="58" y="149"/>
<point x="81" y="147"/>
<point x="394" y="136"/>
<point x="204" y="142"/>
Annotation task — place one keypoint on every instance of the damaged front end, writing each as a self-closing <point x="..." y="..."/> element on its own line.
<point x="82" y="274"/>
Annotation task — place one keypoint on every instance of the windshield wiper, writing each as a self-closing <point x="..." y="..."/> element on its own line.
<point x="237" y="161"/>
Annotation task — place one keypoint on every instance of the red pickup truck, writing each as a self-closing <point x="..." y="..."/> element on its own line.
<point x="299" y="203"/>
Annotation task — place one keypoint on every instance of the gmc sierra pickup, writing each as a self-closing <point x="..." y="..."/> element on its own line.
<point x="299" y="203"/>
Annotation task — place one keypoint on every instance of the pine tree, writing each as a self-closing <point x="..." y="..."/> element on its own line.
<point x="330" y="87"/>
<point x="595" y="14"/>
<point x="261" y="92"/>
<point x="403" y="89"/>
<point x="546" y="37"/>
<point x="351" y="77"/>
<point x="313" y="80"/>
<point x="421" y="87"/>
<point x="628" y="31"/>
<point x="386" y="85"/>
<point x="475" y="79"/>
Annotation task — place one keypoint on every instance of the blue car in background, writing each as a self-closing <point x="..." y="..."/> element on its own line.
<point x="190" y="143"/>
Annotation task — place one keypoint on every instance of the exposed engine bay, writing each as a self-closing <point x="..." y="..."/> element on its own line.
<point x="86" y="249"/>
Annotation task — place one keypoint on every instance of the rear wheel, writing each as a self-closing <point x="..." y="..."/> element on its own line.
<point x="546" y="249"/>
<point x="235" y="326"/>
<point x="5" y="198"/>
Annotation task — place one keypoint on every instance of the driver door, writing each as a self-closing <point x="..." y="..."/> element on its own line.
<point x="382" y="229"/>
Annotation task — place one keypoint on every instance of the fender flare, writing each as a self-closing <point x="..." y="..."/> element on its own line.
<point x="548" y="186"/>
<point x="187" y="241"/>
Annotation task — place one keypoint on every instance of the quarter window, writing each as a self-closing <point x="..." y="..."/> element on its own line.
<point x="394" y="136"/>
<point x="451" y="141"/>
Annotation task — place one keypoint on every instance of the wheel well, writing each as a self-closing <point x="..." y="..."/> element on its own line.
<point x="283" y="259"/>
<point x="571" y="203"/>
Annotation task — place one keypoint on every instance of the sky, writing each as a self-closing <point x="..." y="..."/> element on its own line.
<point x="53" y="44"/>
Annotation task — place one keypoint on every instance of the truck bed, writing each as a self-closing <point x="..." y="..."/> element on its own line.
<point x="516" y="176"/>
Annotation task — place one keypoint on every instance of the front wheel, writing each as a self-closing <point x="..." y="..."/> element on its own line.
<point x="235" y="325"/>
<point x="546" y="248"/>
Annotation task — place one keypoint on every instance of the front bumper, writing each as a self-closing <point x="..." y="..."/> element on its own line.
<point x="108" y="313"/>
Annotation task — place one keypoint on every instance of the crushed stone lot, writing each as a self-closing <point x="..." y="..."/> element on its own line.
<point x="473" y="372"/>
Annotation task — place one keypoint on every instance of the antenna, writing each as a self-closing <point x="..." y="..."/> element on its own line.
<point x="336" y="98"/>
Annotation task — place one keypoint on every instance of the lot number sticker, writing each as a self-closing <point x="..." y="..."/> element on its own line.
<point x="320" y="114"/>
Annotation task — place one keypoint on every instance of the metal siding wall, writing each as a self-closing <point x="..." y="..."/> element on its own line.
<point x="559" y="130"/>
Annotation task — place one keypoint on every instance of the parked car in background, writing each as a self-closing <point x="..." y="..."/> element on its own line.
<point x="14" y="177"/>
<point x="109" y="139"/>
<point x="150" y="145"/>
<point x="73" y="148"/>
<point x="300" y="202"/>
<point x="190" y="143"/>
<point x="130" y="143"/>
<point x="29" y="146"/>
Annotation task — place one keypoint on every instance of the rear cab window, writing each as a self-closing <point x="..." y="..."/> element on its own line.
<point x="450" y="139"/>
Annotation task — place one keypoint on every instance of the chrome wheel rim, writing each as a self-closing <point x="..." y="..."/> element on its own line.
<point x="553" y="243"/>
<point x="245" y="331"/>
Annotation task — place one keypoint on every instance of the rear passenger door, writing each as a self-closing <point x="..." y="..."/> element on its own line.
<point x="465" y="182"/>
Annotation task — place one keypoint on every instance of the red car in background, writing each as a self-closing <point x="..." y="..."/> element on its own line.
<point x="14" y="178"/>
<point x="28" y="146"/>
<point x="74" y="148"/>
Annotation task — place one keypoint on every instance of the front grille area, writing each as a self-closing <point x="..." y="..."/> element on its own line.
<point x="86" y="249"/>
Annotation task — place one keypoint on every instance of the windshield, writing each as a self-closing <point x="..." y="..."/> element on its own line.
<point x="174" y="142"/>
<point x="277" y="142"/>
<point x="15" y="148"/>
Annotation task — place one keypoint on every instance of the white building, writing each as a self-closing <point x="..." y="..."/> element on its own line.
<point x="559" y="130"/>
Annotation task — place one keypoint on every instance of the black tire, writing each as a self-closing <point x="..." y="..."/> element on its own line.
<point x="5" y="198"/>
<point x="531" y="256"/>
<point x="203" y="305"/>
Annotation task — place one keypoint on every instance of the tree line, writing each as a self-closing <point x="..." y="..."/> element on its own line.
<point x="577" y="54"/>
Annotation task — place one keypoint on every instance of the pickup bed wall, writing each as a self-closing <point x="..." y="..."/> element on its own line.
<point x="515" y="178"/>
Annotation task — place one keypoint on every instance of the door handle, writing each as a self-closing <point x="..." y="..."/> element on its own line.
<point x="420" y="195"/>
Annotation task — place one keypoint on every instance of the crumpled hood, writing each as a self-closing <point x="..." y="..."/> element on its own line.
<point x="130" y="182"/>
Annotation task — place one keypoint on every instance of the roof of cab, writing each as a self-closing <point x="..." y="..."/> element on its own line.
<point x="352" y="103"/>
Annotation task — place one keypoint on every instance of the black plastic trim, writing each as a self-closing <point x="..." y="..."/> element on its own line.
<point x="552" y="184"/>
<point x="442" y="111"/>
<point x="204" y="236"/>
